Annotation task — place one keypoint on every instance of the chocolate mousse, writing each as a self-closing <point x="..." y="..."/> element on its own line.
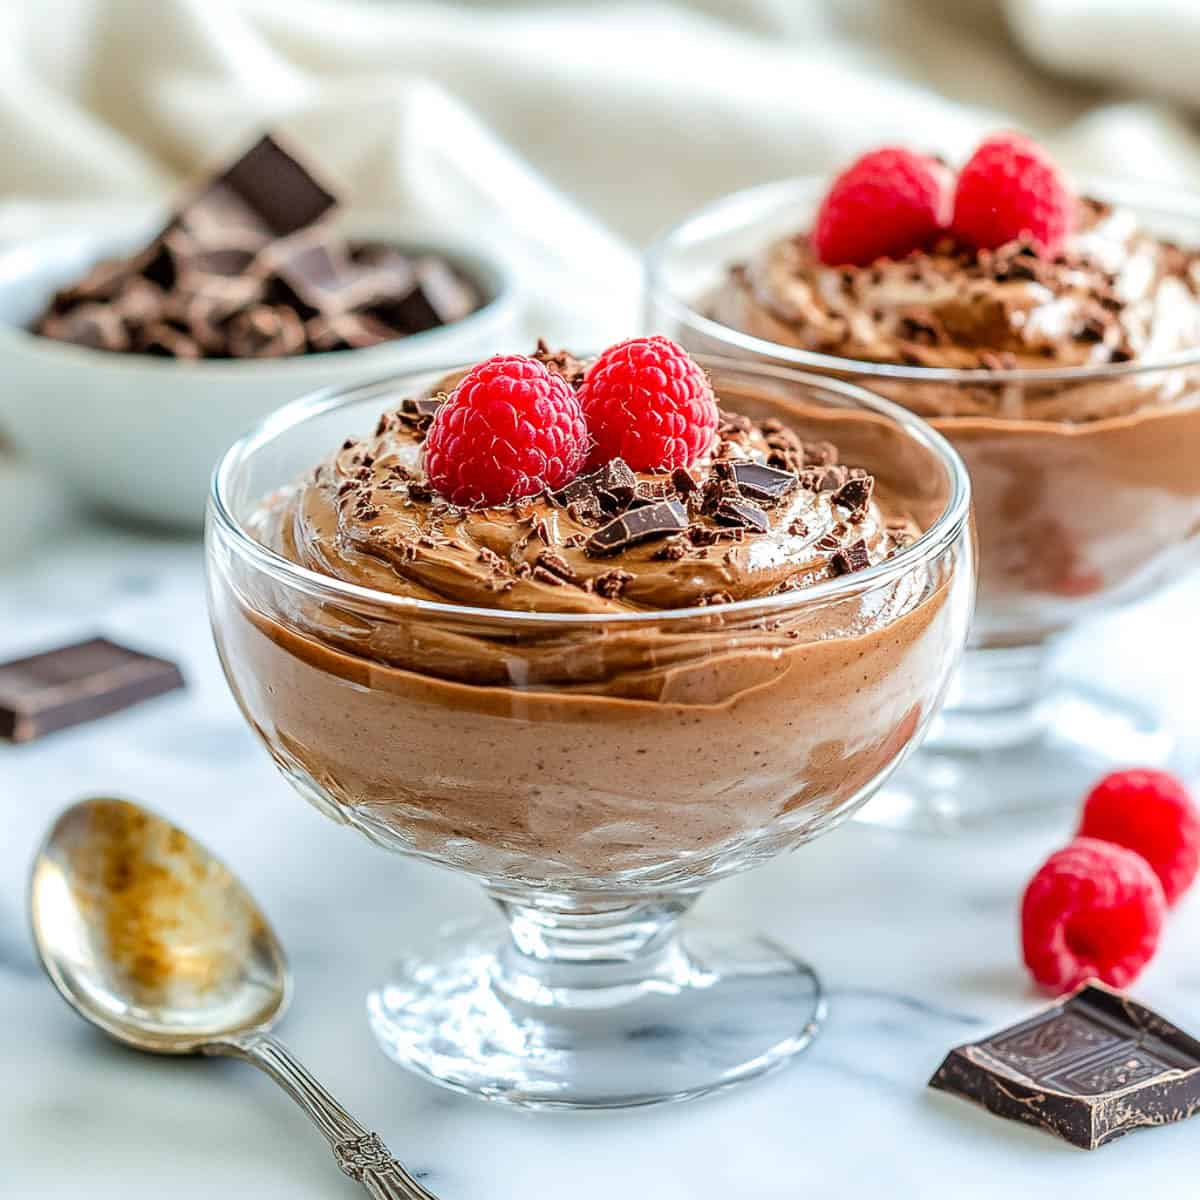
<point x="624" y="740"/>
<point x="1083" y="468"/>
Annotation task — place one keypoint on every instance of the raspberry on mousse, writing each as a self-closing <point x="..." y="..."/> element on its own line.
<point x="1010" y="190"/>
<point x="511" y="428"/>
<point x="649" y="403"/>
<point x="885" y="205"/>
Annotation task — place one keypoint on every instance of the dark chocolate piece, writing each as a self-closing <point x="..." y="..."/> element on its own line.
<point x="437" y="296"/>
<point x="855" y="494"/>
<point x="638" y="525"/>
<point x="93" y="324"/>
<point x="853" y="557"/>
<point x="741" y="514"/>
<point x="615" y="484"/>
<point x="266" y="331"/>
<point x="759" y="482"/>
<point x="347" y="331"/>
<point x="1089" y="1069"/>
<point x="313" y="277"/>
<point x="684" y="482"/>
<point x="165" y="341"/>
<point x="580" y="497"/>
<point x="266" y="189"/>
<point x="77" y="683"/>
<point x="422" y="406"/>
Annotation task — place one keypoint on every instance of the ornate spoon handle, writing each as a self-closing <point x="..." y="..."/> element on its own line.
<point x="360" y="1154"/>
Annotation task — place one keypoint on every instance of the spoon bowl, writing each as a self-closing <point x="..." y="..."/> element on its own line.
<point x="148" y="935"/>
<point x="154" y="940"/>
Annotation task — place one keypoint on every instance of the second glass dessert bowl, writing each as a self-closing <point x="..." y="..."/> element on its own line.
<point x="1085" y="485"/>
<point x="595" y="771"/>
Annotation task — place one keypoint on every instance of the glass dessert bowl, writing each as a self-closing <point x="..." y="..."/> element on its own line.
<point x="1081" y="447"/>
<point x="594" y="737"/>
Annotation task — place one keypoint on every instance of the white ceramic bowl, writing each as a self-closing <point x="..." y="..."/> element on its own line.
<point x="138" y="436"/>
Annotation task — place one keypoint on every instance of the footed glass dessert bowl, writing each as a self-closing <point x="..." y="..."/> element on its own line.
<point x="1071" y="388"/>
<point x="596" y="701"/>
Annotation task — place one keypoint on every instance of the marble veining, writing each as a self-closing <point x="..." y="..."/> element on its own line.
<point x="915" y="939"/>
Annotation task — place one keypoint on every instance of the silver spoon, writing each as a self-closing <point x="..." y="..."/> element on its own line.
<point x="154" y="940"/>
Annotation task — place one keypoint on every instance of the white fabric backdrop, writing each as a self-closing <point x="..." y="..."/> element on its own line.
<point x="572" y="132"/>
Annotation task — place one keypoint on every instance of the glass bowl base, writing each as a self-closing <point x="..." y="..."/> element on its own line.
<point x="1075" y="734"/>
<point x="713" y="1008"/>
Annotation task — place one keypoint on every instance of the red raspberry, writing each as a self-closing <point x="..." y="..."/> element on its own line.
<point x="647" y="402"/>
<point x="1150" y="812"/>
<point x="887" y="204"/>
<point x="1094" y="910"/>
<point x="509" y="429"/>
<point x="1010" y="189"/>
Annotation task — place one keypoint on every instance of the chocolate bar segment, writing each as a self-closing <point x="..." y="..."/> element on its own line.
<point x="265" y="191"/>
<point x="76" y="683"/>
<point x="1089" y="1069"/>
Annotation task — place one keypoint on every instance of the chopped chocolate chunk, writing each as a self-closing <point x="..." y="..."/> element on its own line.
<point x="649" y="490"/>
<point x="743" y="514"/>
<point x="855" y="494"/>
<point x="265" y="190"/>
<point x="95" y="325"/>
<point x="165" y="341"/>
<point x="560" y="362"/>
<point x="673" y="549"/>
<point x="703" y="535"/>
<point x="852" y="558"/>
<point x="579" y="497"/>
<point x="798" y="528"/>
<point x="615" y="484"/>
<point x="346" y="331"/>
<point x="684" y="482"/>
<point x="423" y="406"/>
<point x="764" y="483"/>
<point x="421" y="493"/>
<point x="611" y="584"/>
<point x="491" y="559"/>
<point x="1088" y="1069"/>
<point x="556" y="565"/>
<point x="75" y="684"/>
<point x="638" y="525"/>
<point x="266" y="331"/>
<point x="438" y="296"/>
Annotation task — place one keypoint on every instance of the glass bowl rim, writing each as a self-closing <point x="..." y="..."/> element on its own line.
<point x="944" y="531"/>
<point x="1170" y="201"/>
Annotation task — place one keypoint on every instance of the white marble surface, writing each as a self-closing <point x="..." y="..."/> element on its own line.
<point x="915" y="938"/>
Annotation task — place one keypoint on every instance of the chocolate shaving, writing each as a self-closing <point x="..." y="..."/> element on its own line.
<point x="637" y="525"/>
<point x="556" y="565"/>
<point x="560" y="362"/>
<point x="852" y="558"/>
<point x="611" y="584"/>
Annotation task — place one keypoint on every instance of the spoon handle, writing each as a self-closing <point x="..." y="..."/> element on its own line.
<point x="360" y="1153"/>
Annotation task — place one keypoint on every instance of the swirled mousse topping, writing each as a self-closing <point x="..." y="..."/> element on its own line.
<point x="760" y="512"/>
<point x="1000" y="285"/>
